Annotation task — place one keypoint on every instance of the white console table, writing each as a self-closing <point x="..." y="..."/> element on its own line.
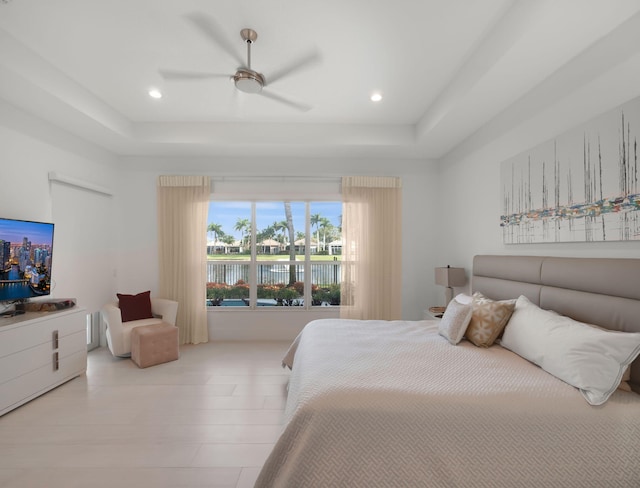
<point x="39" y="351"/>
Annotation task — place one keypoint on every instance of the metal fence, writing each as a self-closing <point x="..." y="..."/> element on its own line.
<point x="323" y="273"/>
<point x="229" y="274"/>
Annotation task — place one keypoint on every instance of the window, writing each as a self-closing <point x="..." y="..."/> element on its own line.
<point x="274" y="254"/>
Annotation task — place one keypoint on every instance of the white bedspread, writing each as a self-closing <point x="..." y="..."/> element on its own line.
<point x="393" y="404"/>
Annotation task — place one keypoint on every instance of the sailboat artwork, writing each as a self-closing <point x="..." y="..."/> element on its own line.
<point x="580" y="187"/>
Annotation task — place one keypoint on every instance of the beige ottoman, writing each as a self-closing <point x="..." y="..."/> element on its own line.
<point x="154" y="344"/>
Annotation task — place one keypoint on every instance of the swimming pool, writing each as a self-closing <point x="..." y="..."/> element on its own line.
<point x="240" y="302"/>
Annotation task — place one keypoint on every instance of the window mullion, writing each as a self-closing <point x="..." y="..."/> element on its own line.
<point x="253" y="268"/>
<point x="307" y="257"/>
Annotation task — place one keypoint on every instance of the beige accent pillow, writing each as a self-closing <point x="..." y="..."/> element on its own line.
<point x="454" y="322"/>
<point x="624" y="382"/>
<point x="488" y="319"/>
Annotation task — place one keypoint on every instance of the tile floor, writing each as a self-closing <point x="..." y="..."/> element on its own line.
<point x="209" y="419"/>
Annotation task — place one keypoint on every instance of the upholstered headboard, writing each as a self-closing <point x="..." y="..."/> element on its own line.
<point x="599" y="291"/>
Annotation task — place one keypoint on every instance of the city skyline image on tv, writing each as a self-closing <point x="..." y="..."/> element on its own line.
<point x="26" y="250"/>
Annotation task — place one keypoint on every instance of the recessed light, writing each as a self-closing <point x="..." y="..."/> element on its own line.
<point x="155" y="93"/>
<point x="376" y="97"/>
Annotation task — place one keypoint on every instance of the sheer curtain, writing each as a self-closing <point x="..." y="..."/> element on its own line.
<point x="183" y="203"/>
<point x="371" y="248"/>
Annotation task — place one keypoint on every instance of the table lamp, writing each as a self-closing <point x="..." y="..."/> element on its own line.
<point x="450" y="277"/>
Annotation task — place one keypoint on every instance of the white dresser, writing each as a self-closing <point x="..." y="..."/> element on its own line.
<point x="39" y="351"/>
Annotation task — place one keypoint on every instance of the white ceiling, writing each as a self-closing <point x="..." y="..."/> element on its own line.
<point x="444" y="67"/>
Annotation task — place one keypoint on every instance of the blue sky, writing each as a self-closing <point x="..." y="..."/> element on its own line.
<point x="15" y="230"/>
<point x="227" y="213"/>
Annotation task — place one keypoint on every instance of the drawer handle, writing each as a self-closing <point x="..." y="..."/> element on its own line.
<point x="55" y="339"/>
<point x="56" y="362"/>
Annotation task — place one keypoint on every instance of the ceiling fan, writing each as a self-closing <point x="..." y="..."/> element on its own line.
<point x="245" y="78"/>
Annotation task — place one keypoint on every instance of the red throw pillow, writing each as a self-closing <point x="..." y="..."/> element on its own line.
<point x="135" y="307"/>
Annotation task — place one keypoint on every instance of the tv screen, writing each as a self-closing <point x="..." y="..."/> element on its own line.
<point x="26" y="250"/>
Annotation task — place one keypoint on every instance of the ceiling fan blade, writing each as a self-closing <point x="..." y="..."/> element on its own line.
<point x="212" y="30"/>
<point x="237" y="102"/>
<point x="303" y="107"/>
<point x="169" y="74"/>
<point x="305" y="61"/>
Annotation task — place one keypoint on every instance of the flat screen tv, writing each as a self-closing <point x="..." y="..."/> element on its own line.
<point x="26" y="250"/>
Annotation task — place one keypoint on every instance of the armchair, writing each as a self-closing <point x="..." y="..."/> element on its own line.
<point x="119" y="333"/>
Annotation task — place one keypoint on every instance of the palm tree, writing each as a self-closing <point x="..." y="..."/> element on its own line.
<point x="280" y="227"/>
<point x="264" y="235"/>
<point x="216" y="229"/>
<point x="314" y="220"/>
<point x="292" y="243"/>
<point x="267" y="233"/>
<point x="244" y="227"/>
<point x="324" y="224"/>
<point x="228" y="239"/>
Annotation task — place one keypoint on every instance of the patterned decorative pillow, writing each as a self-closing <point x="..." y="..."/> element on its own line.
<point x="488" y="319"/>
<point x="454" y="322"/>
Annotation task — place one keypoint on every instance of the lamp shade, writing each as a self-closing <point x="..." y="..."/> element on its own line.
<point x="450" y="276"/>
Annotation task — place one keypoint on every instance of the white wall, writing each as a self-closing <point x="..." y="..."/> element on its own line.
<point x="470" y="220"/>
<point x="137" y="259"/>
<point x="29" y="150"/>
<point x="451" y="207"/>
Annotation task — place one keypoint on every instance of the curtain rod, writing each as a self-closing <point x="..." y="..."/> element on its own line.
<point x="330" y="179"/>
<point x="85" y="185"/>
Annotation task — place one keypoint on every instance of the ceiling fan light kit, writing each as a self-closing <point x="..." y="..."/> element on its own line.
<point x="248" y="81"/>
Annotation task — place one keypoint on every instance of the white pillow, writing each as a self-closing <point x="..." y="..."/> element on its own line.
<point x="463" y="298"/>
<point x="589" y="358"/>
<point x="454" y="322"/>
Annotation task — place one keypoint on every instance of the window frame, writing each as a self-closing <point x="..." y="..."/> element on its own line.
<point x="254" y="260"/>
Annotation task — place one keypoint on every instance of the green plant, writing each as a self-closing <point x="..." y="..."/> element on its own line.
<point x="334" y="291"/>
<point x="286" y="296"/>
<point x="239" y="291"/>
<point x="269" y="291"/>
<point x="329" y="294"/>
<point x="321" y="295"/>
<point x="216" y="292"/>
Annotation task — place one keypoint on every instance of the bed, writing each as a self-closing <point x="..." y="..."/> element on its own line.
<point x="395" y="404"/>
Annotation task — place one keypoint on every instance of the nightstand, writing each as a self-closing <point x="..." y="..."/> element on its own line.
<point x="433" y="313"/>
